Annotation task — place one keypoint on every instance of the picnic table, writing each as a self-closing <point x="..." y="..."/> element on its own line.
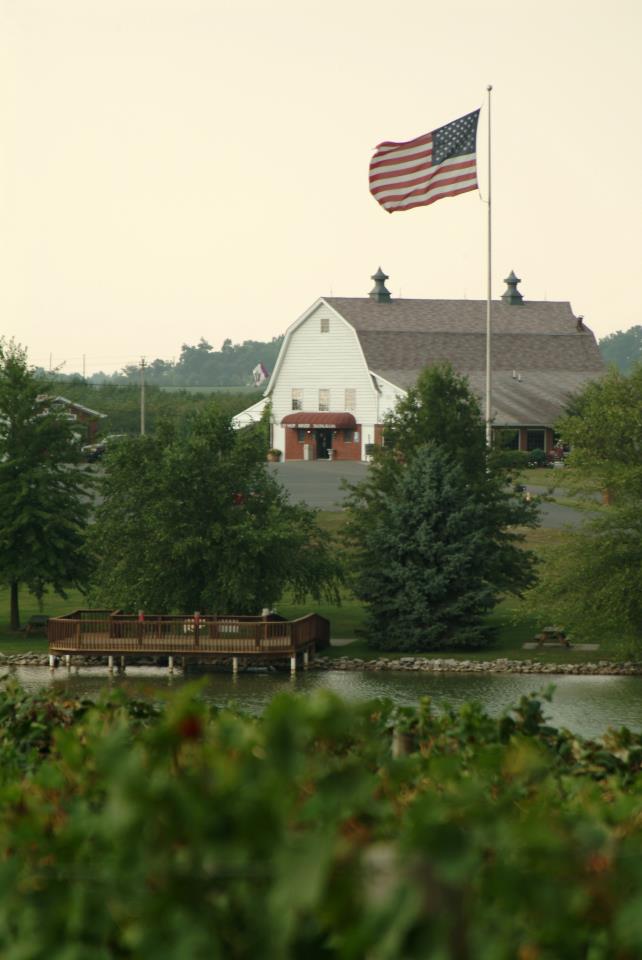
<point x="554" y="636"/>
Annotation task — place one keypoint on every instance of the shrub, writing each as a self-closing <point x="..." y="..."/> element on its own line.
<point x="536" y="458"/>
<point x="202" y="833"/>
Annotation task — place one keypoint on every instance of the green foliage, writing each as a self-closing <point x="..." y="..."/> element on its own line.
<point x="429" y="527"/>
<point x="604" y="428"/>
<point x="592" y="584"/>
<point x="432" y="560"/>
<point x="193" y="520"/>
<point x="440" y="409"/>
<point x="537" y="456"/>
<point x="121" y="404"/>
<point x="512" y="460"/>
<point x="623" y="348"/>
<point x="43" y="493"/>
<point x="131" y="832"/>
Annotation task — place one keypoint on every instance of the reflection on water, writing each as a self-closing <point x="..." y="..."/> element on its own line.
<point x="587" y="705"/>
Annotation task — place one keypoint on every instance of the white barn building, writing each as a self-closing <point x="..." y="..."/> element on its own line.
<point x="345" y="362"/>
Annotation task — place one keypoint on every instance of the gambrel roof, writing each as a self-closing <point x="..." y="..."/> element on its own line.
<point x="541" y="352"/>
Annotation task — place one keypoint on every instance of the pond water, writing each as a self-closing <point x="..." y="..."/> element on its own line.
<point x="585" y="704"/>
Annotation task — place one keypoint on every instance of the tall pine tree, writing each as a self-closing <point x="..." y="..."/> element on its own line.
<point x="43" y="494"/>
<point x="432" y="526"/>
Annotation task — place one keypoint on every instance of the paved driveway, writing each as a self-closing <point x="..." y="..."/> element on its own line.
<point x="319" y="484"/>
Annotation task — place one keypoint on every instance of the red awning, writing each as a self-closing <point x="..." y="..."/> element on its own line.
<point x="319" y="421"/>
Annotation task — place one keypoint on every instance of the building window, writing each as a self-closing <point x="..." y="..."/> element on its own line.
<point x="507" y="439"/>
<point x="534" y="440"/>
<point x="300" y="435"/>
<point x="324" y="400"/>
<point x="348" y="435"/>
<point x="325" y="325"/>
<point x="297" y="398"/>
<point x="351" y="400"/>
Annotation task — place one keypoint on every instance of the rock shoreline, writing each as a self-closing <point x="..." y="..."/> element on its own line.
<point x="628" y="668"/>
<point x="499" y="665"/>
<point x="31" y="659"/>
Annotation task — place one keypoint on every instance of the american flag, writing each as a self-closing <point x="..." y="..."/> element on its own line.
<point x="259" y="374"/>
<point x="439" y="164"/>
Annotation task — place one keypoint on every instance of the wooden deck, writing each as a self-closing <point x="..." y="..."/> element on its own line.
<point x="101" y="633"/>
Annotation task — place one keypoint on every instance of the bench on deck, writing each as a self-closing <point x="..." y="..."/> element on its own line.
<point x="35" y="623"/>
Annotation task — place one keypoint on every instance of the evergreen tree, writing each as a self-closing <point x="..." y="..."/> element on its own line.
<point x="432" y="528"/>
<point x="432" y="558"/>
<point x="43" y="493"/>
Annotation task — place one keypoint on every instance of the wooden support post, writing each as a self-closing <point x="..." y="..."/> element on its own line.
<point x="110" y="663"/>
<point x="235" y="665"/>
<point x="293" y="664"/>
<point x="306" y="659"/>
<point x="122" y="664"/>
<point x="52" y="661"/>
<point x="67" y="661"/>
<point x="170" y="663"/>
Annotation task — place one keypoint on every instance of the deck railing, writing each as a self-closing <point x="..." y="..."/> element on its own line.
<point x="98" y="631"/>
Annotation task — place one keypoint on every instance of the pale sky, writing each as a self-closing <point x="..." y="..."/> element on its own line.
<point x="171" y="169"/>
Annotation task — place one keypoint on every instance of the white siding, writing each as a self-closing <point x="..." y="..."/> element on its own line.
<point x="313" y="361"/>
<point x="388" y="396"/>
<point x="278" y="438"/>
<point x="250" y="415"/>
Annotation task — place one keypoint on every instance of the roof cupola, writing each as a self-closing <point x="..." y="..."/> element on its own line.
<point x="511" y="294"/>
<point x="379" y="292"/>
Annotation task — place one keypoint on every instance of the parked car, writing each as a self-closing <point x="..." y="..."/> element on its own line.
<point x="94" y="451"/>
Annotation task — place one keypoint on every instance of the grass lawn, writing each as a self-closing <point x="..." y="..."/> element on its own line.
<point x="514" y="624"/>
<point x="553" y="478"/>
<point x="53" y="606"/>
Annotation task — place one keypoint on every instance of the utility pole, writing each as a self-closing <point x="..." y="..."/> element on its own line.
<point x="83" y="366"/>
<point x="142" y="396"/>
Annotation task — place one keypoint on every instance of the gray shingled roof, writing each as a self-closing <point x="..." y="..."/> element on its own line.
<point x="539" y="340"/>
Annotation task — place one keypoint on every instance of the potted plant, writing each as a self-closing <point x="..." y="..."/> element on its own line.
<point x="273" y="455"/>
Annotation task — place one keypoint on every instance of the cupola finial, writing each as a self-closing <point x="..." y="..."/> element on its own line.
<point x="511" y="294"/>
<point x="379" y="292"/>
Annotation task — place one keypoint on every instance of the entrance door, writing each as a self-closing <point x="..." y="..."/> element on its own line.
<point x="324" y="443"/>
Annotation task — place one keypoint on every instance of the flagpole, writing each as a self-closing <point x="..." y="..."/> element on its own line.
<point x="489" y="382"/>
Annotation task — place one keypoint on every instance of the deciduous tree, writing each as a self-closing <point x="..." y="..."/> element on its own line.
<point x="623" y="348"/>
<point x="604" y="429"/>
<point x="192" y="520"/>
<point x="591" y="582"/>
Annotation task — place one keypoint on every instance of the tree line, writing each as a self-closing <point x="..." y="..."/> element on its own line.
<point x="199" y="365"/>
<point x="121" y="402"/>
<point x="623" y="348"/>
